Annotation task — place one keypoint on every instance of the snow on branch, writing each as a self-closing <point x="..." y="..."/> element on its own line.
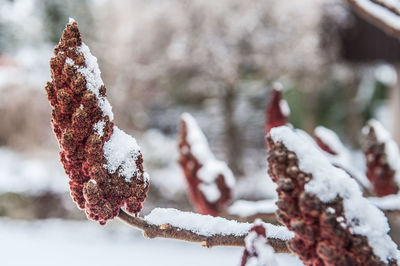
<point x="257" y="250"/>
<point x="264" y="209"/>
<point x="104" y="163"/>
<point x="339" y="155"/>
<point x="210" y="181"/>
<point x="382" y="158"/>
<point x="324" y="207"/>
<point x="387" y="203"/>
<point x="383" y="13"/>
<point x="208" y="230"/>
<point x="277" y="110"/>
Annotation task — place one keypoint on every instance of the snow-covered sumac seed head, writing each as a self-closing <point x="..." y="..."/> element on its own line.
<point x="102" y="180"/>
<point x="209" y="180"/>
<point x="324" y="233"/>
<point x="277" y="110"/>
<point x="382" y="159"/>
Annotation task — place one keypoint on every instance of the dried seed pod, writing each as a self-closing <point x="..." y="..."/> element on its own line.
<point x="210" y="181"/>
<point x="104" y="164"/>
<point x="332" y="222"/>
<point x="277" y="110"/>
<point x="382" y="158"/>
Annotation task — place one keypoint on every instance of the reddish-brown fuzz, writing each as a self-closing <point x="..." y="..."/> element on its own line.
<point x="75" y="111"/>
<point x="379" y="172"/>
<point x="321" y="234"/>
<point x="190" y="166"/>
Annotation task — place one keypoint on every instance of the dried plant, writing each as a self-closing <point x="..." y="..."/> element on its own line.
<point x="210" y="181"/>
<point x="277" y="111"/>
<point x="382" y="158"/>
<point x="103" y="178"/>
<point x="324" y="211"/>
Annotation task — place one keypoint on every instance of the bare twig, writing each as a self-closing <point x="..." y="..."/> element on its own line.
<point x="168" y="231"/>
<point x="384" y="22"/>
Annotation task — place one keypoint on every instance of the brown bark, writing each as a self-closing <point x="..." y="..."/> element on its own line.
<point x="168" y="231"/>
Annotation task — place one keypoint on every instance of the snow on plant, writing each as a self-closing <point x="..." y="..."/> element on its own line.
<point x="210" y="181"/>
<point x="104" y="163"/>
<point x="257" y="251"/>
<point x="382" y="158"/>
<point x="324" y="207"/>
<point x="339" y="155"/>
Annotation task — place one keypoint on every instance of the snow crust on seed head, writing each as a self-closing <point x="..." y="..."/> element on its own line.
<point x="328" y="182"/>
<point x="343" y="157"/>
<point x="330" y="138"/>
<point x="92" y="75"/>
<point x="71" y="20"/>
<point x="121" y="151"/>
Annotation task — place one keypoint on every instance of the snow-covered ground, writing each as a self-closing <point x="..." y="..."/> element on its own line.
<point x="58" y="242"/>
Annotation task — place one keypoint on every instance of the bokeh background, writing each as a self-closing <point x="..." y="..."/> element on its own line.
<point x="159" y="58"/>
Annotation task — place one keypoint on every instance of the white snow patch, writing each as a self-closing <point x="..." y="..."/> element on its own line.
<point x="386" y="73"/>
<point x="284" y="106"/>
<point x="343" y="157"/>
<point x="71" y="20"/>
<point x="207" y="225"/>
<point x="244" y="208"/>
<point x="328" y="182"/>
<point x="92" y="75"/>
<point x="99" y="127"/>
<point x="211" y="167"/>
<point x="389" y="203"/>
<point x="121" y="150"/>
<point x="210" y="191"/>
<point x="329" y="138"/>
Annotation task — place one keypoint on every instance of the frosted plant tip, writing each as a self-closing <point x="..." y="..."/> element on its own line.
<point x="277" y="86"/>
<point x="71" y="20"/>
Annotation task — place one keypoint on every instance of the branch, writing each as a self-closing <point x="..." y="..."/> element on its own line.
<point x="380" y="13"/>
<point x="167" y="230"/>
